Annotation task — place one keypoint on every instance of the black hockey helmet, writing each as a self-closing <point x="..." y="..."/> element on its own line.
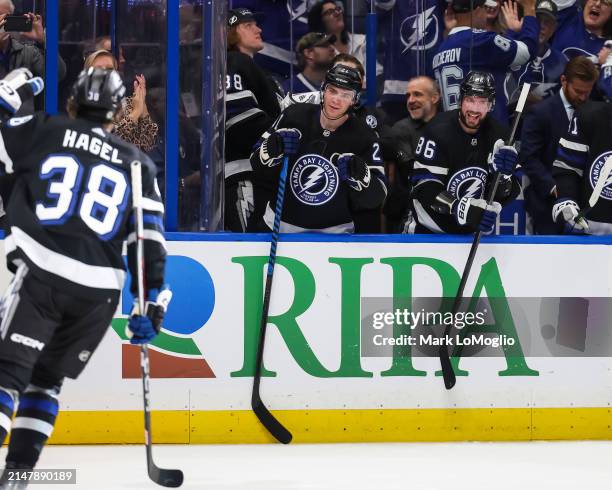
<point x="344" y="77"/>
<point x="97" y="94"/>
<point x="478" y="84"/>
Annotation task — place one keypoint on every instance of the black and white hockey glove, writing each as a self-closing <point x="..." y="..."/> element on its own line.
<point x="141" y="329"/>
<point x="353" y="170"/>
<point x="17" y="87"/>
<point x="567" y="212"/>
<point x="476" y="213"/>
<point x="281" y="142"/>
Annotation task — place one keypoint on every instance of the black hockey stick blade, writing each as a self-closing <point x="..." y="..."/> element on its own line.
<point x="269" y="421"/>
<point x="165" y="477"/>
<point x="448" y="373"/>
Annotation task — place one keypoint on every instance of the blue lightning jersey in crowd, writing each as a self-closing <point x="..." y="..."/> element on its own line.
<point x="300" y="85"/>
<point x="273" y="18"/>
<point x="468" y="49"/>
<point x="543" y="73"/>
<point x="413" y="30"/>
<point x="605" y="79"/>
<point x="571" y="36"/>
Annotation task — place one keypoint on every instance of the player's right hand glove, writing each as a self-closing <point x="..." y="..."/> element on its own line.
<point x="282" y="142"/>
<point x="17" y="87"/>
<point x="567" y="212"/>
<point x="476" y="213"/>
<point x="143" y="328"/>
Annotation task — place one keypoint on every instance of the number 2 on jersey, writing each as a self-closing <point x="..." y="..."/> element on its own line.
<point x="101" y="206"/>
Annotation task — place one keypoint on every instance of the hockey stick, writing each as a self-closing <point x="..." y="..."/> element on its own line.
<point x="268" y="420"/>
<point x="161" y="476"/>
<point x="604" y="175"/>
<point x="448" y="372"/>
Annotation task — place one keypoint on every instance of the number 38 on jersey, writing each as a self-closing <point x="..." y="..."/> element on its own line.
<point x="98" y="196"/>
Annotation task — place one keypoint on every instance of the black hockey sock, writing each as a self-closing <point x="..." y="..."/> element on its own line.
<point x="32" y="426"/>
<point x="7" y="406"/>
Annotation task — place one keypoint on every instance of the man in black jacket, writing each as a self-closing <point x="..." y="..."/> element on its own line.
<point x="17" y="54"/>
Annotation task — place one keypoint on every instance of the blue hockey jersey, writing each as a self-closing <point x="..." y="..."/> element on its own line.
<point x="273" y="17"/>
<point x="605" y="79"/>
<point x="571" y="36"/>
<point x="300" y="85"/>
<point x="543" y="73"/>
<point x="468" y="49"/>
<point x="412" y="30"/>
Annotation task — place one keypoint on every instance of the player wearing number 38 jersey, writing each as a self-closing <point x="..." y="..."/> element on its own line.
<point x="69" y="212"/>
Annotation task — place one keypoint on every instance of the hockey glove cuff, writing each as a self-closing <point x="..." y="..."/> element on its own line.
<point x="353" y="170"/>
<point x="17" y="87"/>
<point x="143" y="328"/>
<point x="567" y="211"/>
<point x="503" y="158"/>
<point x="476" y="213"/>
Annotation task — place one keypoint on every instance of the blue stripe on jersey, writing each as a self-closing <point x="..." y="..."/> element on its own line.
<point x="47" y="406"/>
<point x="150" y="219"/>
<point x="569" y="156"/>
<point x="6" y="400"/>
<point x="154" y="220"/>
<point x="417" y="179"/>
<point x="423" y="176"/>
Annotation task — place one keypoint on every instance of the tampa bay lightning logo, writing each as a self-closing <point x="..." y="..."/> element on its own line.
<point x="420" y="32"/>
<point x="313" y="180"/>
<point x="468" y="182"/>
<point x="595" y="172"/>
<point x="299" y="10"/>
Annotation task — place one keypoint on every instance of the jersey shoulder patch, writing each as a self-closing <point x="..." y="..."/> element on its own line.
<point x="371" y="121"/>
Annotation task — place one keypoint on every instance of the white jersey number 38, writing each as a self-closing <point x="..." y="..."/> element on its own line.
<point x="100" y="207"/>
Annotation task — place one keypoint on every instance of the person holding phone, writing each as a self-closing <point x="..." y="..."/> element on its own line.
<point x="29" y="52"/>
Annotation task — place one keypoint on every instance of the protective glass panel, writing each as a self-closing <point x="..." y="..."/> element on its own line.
<point x="212" y="61"/>
<point x="81" y="26"/>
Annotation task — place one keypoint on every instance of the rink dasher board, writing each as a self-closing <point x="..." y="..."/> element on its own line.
<point x="347" y="400"/>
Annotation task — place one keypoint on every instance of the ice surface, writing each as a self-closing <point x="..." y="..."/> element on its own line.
<point x="417" y="466"/>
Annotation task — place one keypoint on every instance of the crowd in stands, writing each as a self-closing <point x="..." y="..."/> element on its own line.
<point x="425" y="49"/>
<point x="562" y="48"/>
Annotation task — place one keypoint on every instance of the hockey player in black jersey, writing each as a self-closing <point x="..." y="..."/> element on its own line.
<point x="251" y="107"/>
<point x="580" y="164"/>
<point x="454" y="162"/>
<point x="335" y="166"/>
<point x="67" y="218"/>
